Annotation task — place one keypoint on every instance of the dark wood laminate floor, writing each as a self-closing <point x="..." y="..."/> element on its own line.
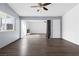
<point x="38" y="45"/>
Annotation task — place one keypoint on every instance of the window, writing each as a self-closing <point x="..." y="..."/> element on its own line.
<point x="7" y="23"/>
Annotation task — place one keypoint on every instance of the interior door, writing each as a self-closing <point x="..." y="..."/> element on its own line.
<point x="48" y="28"/>
<point x="56" y="28"/>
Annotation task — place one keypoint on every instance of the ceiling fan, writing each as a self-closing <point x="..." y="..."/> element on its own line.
<point x="41" y="6"/>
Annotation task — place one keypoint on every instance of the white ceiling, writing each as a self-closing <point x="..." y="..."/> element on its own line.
<point x="56" y="9"/>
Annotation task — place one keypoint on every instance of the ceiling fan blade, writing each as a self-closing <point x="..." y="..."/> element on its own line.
<point x="45" y="4"/>
<point x="34" y="6"/>
<point x="45" y="8"/>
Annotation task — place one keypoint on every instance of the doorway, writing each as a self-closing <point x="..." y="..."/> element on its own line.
<point x="34" y="28"/>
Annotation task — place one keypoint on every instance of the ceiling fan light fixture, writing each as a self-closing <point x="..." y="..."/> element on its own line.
<point x="42" y="6"/>
<point x="38" y="10"/>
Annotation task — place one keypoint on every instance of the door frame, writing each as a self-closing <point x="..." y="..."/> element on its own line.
<point x="41" y="18"/>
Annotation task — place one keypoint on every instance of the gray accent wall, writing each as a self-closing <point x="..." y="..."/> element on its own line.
<point x="8" y="37"/>
<point x="39" y="17"/>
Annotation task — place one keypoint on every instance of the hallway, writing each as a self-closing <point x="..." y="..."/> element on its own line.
<point x="38" y="45"/>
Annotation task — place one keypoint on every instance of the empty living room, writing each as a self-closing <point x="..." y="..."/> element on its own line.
<point x="39" y="29"/>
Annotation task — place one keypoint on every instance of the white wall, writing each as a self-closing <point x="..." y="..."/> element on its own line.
<point x="70" y="29"/>
<point x="38" y="27"/>
<point x="9" y="36"/>
<point x="0" y="22"/>
<point x="23" y="28"/>
<point x="55" y="28"/>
